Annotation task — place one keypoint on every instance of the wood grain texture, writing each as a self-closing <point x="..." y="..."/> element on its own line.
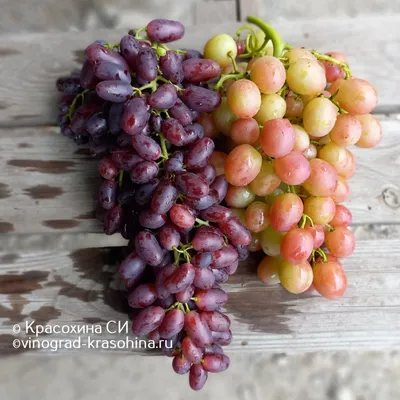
<point x="31" y="64"/>
<point x="81" y="288"/>
<point x="48" y="186"/>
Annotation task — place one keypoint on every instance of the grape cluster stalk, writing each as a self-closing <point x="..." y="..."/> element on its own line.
<point x="205" y="158"/>
<point x="135" y="104"/>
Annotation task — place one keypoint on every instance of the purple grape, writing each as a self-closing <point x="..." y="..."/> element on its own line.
<point x="163" y="98"/>
<point x="202" y="260"/>
<point x="196" y="70"/>
<point x="199" y="154"/>
<point x="107" y="168"/>
<point x="154" y="336"/>
<point x="231" y="269"/>
<point x="109" y="71"/>
<point x="135" y="116"/>
<point x="171" y="67"/>
<point x="108" y="194"/>
<point x="214" y="348"/>
<point x="165" y="30"/>
<point x="201" y="99"/>
<point x="69" y="85"/>
<point x="211" y="300"/>
<point x="192" y="353"/>
<point x="215" y="362"/>
<point x="206" y="240"/>
<point x="167" y="302"/>
<point x="88" y="79"/>
<point x="126" y="159"/>
<point x="145" y="192"/>
<point x="216" y="321"/>
<point x="220" y="274"/>
<point x="96" y="125"/>
<point x="181" y="113"/>
<point x="235" y="231"/>
<point x="197" y="330"/>
<point x="164" y="197"/>
<point x="181" y="365"/>
<point x="148" y="248"/>
<point x="151" y="220"/>
<point x="190" y="53"/>
<point x="224" y="257"/>
<point x="127" y="193"/>
<point x="155" y="122"/>
<point x="147" y="320"/>
<point x="146" y="64"/>
<point x="203" y="203"/>
<point x="197" y="377"/>
<point x="113" y="220"/>
<point x="172" y="323"/>
<point x="174" y="132"/>
<point x="174" y="163"/>
<point x="220" y="184"/>
<point x="115" y="117"/>
<point x="196" y="130"/>
<point x="162" y="292"/>
<point x="144" y="172"/>
<point x="143" y="296"/>
<point x="81" y="115"/>
<point x="243" y="252"/>
<point x="146" y="130"/>
<point x="171" y="346"/>
<point x="208" y="173"/>
<point x="180" y="279"/>
<point x="192" y="185"/>
<point x="131" y="269"/>
<point x="97" y="53"/>
<point x="204" y="278"/>
<point x="169" y="237"/>
<point x="115" y="91"/>
<point x="222" y="338"/>
<point x="216" y="214"/>
<point x="129" y="49"/>
<point x="185" y="295"/>
<point x="146" y="147"/>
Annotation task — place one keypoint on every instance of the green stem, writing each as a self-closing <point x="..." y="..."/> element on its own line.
<point x="322" y="254"/>
<point x="137" y="36"/>
<point x="230" y="76"/>
<point x="175" y="305"/>
<point x="72" y="107"/>
<point x="163" y="144"/>
<point x="304" y="219"/>
<point x="201" y="222"/>
<point x="121" y="177"/>
<point x="270" y="34"/>
<point x="230" y="55"/>
<point x="245" y="28"/>
<point x="342" y="64"/>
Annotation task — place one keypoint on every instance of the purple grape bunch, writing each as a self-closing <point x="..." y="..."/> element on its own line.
<point x="136" y="104"/>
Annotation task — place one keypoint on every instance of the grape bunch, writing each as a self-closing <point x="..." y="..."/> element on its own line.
<point x="136" y="104"/>
<point x="290" y="116"/>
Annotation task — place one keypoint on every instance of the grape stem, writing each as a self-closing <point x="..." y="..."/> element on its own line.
<point x="342" y="64"/>
<point x="230" y="55"/>
<point x="72" y="107"/>
<point x="322" y="254"/>
<point x="235" y="76"/>
<point x="163" y="144"/>
<point x="201" y="222"/>
<point x="270" y="34"/>
<point x="137" y="36"/>
<point x="330" y="227"/>
<point x="304" y="219"/>
<point x="120" y="177"/>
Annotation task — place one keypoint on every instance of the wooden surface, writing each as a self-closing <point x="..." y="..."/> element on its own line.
<point x="54" y="267"/>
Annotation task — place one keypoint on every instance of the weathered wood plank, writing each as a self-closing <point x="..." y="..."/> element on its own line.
<point x="47" y="185"/>
<point x="79" y="288"/>
<point x="212" y="11"/>
<point x="32" y="63"/>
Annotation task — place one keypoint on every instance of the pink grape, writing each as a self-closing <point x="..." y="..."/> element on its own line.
<point x="297" y="245"/>
<point x="285" y="212"/>
<point x="323" y="179"/>
<point x="340" y="242"/>
<point x="277" y="137"/>
<point x="292" y="169"/>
